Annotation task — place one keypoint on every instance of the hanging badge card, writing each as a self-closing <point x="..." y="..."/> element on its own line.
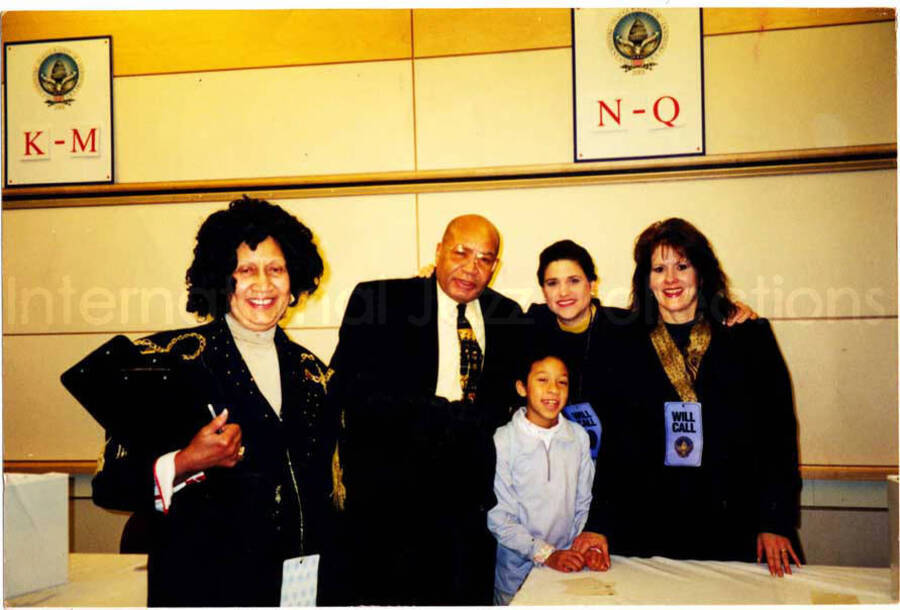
<point x="582" y="413"/>
<point x="300" y="581"/>
<point x="684" y="434"/>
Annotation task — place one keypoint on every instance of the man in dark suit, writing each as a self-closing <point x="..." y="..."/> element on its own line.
<point x="420" y="403"/>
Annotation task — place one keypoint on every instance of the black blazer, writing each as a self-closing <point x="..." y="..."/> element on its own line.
<point x="749" y="481"/>
<point x="223" y="540"/>
<point x="583" y="353"/>
<point x="419" y="469"/>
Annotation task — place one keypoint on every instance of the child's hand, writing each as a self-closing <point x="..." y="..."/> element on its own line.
<point x="597" y="559"/>
<point x="595" y="550"/>
<point x="565" y="561"/>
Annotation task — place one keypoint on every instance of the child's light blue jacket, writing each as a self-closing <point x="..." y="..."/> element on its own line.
<point x="543" y="494"/>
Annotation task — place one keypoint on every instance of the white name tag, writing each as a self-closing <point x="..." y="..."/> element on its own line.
<point x="684" y="434"/>
<point x="300" y="581"/>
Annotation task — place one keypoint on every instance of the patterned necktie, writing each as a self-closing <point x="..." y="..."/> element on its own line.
<point x="470" y="356"/>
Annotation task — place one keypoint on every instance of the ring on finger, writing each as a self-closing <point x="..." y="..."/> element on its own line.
<point x="241" y="451"/>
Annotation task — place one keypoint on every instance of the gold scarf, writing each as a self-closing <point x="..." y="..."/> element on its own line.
<point x="680" y="371"/>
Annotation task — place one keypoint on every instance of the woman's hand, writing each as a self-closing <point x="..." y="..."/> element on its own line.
<point x="565" y="561"/>
<point x="778" y="552"/>
<point x="215" y="444"/>
<point x="426" y="270"/>
<point x="595" y="550"/>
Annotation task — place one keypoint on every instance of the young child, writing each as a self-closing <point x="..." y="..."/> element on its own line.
<point x="542" y="482"/>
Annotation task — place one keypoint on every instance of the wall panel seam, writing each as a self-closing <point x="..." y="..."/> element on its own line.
<point x="412" y="67"/>
<point x="496" y="52"/>
<point x="266" y="67"/>
<point x="795" y="27"/>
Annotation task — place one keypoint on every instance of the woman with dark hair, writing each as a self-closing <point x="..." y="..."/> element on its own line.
<point x="700" y="458"/>
<point x="572" y="322"/>
<point x="217" y="433"/>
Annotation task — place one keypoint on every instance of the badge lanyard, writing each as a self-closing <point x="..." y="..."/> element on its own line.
<point x="683" y="419"/>
<point x="583" y="413"/>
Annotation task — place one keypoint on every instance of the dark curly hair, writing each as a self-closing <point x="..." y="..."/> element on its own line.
<point x="713" y="298"/>
<point x="210" y="280"/>
<point x="566" y="250"/>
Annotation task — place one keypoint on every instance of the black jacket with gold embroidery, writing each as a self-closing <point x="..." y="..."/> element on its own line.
<point x="223" y="539"/>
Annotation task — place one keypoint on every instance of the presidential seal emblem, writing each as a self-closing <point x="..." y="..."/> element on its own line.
<point x="683" y="446"/>
<point x="637" y="39"/>
<point x="57" y="76"/>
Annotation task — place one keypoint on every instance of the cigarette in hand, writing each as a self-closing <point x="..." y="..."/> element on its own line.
<point x="212" y="413"/>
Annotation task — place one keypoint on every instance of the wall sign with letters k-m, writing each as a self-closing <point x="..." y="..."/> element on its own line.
<point x="59" y="119"/>
<point x="638" y="83"/>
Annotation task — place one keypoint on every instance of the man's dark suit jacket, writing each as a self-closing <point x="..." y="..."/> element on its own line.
<point x="418" y="469"/>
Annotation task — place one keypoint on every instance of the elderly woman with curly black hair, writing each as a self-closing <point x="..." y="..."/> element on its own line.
<point x="218" y="431"/>
<point x="699" y="458"/>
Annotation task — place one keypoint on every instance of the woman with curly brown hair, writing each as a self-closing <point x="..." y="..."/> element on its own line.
<point x="218" y="432"/>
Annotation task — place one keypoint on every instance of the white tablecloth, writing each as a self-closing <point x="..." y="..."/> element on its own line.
<point x="667" y="581"/>
<point x="95" y="579"/>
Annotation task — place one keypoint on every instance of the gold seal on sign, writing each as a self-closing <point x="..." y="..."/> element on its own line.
<point x="637" y="39"/>
<point x="58" y="74"/>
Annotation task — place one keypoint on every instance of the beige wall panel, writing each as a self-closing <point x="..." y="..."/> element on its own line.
<point x="156" y="42"/>
<point x="361" y="238"/>
<point x="463" y="31"/>
<point x="94" y="529"/>
<point x="812" y="245"/>
<point x="101" y="269"/>
<point x="118" y="268"/>
<point x="845" y="388"/>
<point x="806" y="88"/>
<point x="320" y="341"/>
<point x="846" y="537"/>
<point x="844" y="494"/>
<point x="731" y="20"/>
<point x="505" y="109"/>
<point x="264" y="123"/>
<point x="41" y="420"/>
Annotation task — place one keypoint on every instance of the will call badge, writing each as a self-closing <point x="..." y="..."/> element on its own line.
<point x="684" y="433"/>
<point x="637" y="39"/>
<point x="57" y="76"/>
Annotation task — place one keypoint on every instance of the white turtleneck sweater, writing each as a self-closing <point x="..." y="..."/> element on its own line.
<point x="259" y="354"/>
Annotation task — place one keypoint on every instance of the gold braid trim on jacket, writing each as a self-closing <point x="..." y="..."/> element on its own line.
<point x="152" y="348"/>
<point x="339" y="492"/>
